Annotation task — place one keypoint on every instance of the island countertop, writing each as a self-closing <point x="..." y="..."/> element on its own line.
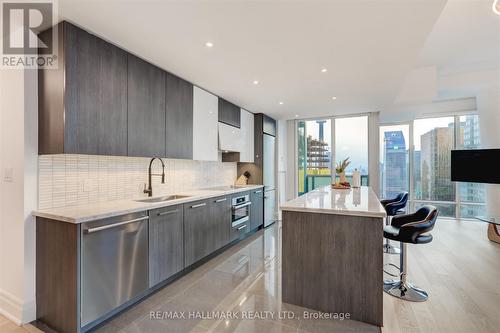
<point x="355" y="201"/>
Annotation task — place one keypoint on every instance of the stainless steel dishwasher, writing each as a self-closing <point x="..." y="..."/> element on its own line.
<point x="114" y="267"/>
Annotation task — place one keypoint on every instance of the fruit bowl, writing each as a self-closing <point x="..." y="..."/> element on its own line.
<point x="341" y="186"/>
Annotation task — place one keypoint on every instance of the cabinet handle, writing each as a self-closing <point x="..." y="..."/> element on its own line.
<point x="242" y="227"/>
<point x="221" y="200"/>
<point x="256" y="192"/>
<point x="199" y="205"/>
<point x="109" y="226"/>
<point x="169" y="212"/>
<point x="242" y="205"/>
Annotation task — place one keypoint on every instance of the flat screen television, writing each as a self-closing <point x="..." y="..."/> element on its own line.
<point x="476" y="166"/>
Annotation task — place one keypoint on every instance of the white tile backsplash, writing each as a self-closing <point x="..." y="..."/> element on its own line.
<point x="69" y="180"/>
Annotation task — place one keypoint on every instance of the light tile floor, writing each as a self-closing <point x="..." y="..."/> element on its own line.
<point x="459" y="269"/>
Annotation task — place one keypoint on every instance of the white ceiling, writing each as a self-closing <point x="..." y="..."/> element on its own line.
<point x="466" y="37"/>
<point x="367" y="46"/>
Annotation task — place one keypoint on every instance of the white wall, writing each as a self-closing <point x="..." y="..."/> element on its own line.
<point x="18" y="195"/>
<point x="291" y="190"/>
<point x="282" y="161"/>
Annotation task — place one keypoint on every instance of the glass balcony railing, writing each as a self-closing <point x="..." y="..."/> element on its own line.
<point x="314" y="181"/>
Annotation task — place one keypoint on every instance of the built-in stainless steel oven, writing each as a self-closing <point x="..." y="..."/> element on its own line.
<point x="241" y="210"/>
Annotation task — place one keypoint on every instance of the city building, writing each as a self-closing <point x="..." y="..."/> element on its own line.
<point x="394" y="166"/>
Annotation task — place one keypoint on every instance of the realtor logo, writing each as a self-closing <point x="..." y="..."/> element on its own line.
<point x="22" y="46"/>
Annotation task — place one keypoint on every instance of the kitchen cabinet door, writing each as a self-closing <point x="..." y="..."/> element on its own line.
<point x="95" y="102"/>
<point x="247" y="137"/>
<point x="179" y="118"/>
<point x="205" y="122"/>
<point x="198" y="238"/>
<point x="269" y="125"/>
<point x="220" y="216"/>
<point x="229" y="113"/>
<point x="166" y="243"/>
<point x="257" y="208"/>
<point x="146" y="109"/>
<point x="270" y="211"/>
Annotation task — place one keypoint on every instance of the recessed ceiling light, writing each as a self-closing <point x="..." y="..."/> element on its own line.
<point x="296" y="116"/>
<point x="496" y="7"/>
<point x="281" y="103"/>
<point x="255" y="82"/>
<point x="334" y="98"/>
<point x="209" y="44"/>
<point x="324" y="70"/>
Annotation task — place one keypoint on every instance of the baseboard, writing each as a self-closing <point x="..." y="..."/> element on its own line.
<point x="15" y="310"/>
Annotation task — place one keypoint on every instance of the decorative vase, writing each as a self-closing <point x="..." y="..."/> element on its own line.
<point x="343" y="179"/>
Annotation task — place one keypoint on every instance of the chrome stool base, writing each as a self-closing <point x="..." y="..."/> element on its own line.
<point x="405" y="291"/>
<point x="390" y="249"/>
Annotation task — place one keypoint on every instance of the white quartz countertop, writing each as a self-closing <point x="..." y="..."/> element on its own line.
<point x="100" y="210"/>
<point x="355" y="201"/>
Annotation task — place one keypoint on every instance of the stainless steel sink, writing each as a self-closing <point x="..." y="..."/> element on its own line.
<point x="165" y="198"/>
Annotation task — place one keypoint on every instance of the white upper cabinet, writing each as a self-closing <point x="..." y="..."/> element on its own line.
<point x="205" y="120"/>
<point x="247" y="137"/>
<point x="229" y="138"/>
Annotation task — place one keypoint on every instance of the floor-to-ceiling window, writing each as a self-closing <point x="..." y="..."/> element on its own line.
<point x="394" y="160"/>
<point x="316" y="155"/>
<point x="471" y="195"/>
<point x="351" y="140"/>
<point x="433" y="140"/>
<point x="415" y="157"/>
<point x="314" y="148"/>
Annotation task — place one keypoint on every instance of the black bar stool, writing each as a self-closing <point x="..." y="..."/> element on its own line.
<point x="406" y="229"/>
<point x="394" y="207"/>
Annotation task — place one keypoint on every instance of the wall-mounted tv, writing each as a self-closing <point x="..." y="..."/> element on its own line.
<point x="476" y="166"/>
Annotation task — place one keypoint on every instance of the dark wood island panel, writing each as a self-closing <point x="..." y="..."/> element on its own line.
<point x="333" y="263"/>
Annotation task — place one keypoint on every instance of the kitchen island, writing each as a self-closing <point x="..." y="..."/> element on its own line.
<point x="332" y="252"/>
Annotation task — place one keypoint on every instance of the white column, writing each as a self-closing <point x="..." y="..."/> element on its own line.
<point x="18" y="192"/>
<point x="488" y="105"/>
<point x="373" y="151"/>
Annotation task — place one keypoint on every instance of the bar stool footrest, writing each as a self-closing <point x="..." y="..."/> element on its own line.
<point x="391" y="274"/>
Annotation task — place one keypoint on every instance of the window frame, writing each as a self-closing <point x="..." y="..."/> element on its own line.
<point x="333" y="145"/>
<point x="411" y="161"/>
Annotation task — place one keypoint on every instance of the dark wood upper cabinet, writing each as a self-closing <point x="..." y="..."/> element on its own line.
<point x="179" y="118"/>
<point x="83" y="103"/>
<point x="269" y="125"/>
<point x="229" y="113"/>
<point x="146" y="109"/>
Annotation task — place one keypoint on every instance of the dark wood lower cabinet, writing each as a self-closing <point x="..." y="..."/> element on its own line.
<point x="206" y="227"/>
<point x="197" y="238"/>
<point x="220" y="216"/>
<point x="257" y="208"/>
<point x="166" y="243"/>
